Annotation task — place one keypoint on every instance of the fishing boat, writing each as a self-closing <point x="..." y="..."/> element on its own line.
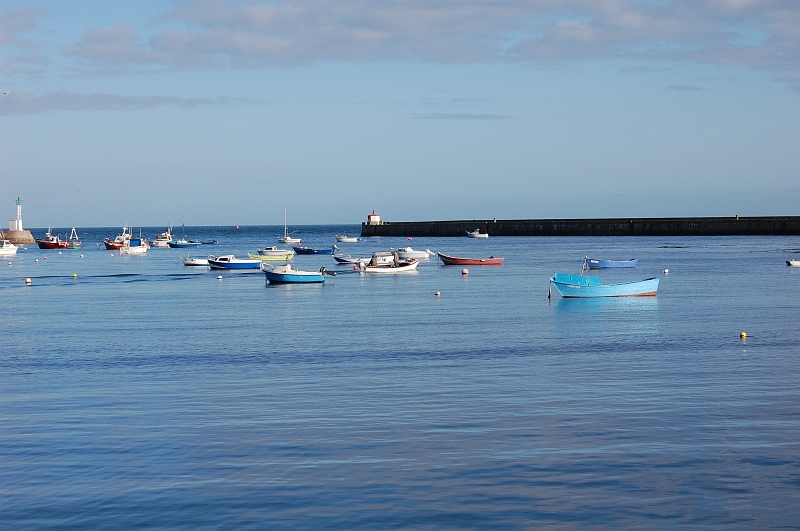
<point x="455" y="260"/>
<point x="189" y="261"/>
<point x="119" y="241"/>
<point x="793" y="263"/>
<point x="134" y="246"/>
<point x="579" y="286"/>
<point x="593" y="263"/>
<point x="313" y="250"/>
<point x="286" y="238"/>
<point x="286" y="274"/>
<point x="477" y="234"/>
<point x="392" y="269"/>
<point x="50" y="242"/>
<point x="163" y="239"/>
<point x="73" y="242"/>
<point x="405" y="253"/>
<point x="6" y="247"/>
<point x="344" y="238"/>
<point x="272" y="253"/>
<point x="229" y="261"/>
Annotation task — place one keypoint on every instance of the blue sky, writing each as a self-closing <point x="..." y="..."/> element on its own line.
<point x="227" y="111"/>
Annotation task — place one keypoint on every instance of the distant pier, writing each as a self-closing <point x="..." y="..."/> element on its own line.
<point x="19" y="237"/>
<point x="708" y="226"/>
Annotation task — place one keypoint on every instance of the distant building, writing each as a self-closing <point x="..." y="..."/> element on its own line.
<point x="16" y="224"/>
<point x="373" y="219"/>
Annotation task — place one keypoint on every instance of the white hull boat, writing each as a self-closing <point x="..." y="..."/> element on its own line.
<point x="286" y="239"/>
<point x="272" y="253"/>
<point x="477" y="234"/>
<point x="188" y="261"/>
<point x="407" y="252"/>
<point x="134" y="246"/>
<point x="390" y="269"/>
<point x="793" y="263"/>
<point x="7" y="248"/>
<point x="162" y="240"/>
<point x="344" y="238"/>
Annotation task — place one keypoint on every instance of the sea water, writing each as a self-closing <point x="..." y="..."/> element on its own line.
<point x="147" y="394"/>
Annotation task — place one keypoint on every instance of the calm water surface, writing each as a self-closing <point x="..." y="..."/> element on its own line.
<point x="145" y="394"/>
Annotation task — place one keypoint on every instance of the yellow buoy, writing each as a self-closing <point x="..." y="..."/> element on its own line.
<point x="74" y="275"/>
<point x="743" y="335"/>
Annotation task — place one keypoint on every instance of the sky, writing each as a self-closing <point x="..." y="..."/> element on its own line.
<point x="222" y="112"/>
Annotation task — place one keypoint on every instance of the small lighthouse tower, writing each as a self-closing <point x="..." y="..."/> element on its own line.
<point x="16" y="224"/>
<point x="373" y="219"/>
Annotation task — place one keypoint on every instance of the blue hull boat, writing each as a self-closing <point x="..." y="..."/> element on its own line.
<point x="286" y="274"/>
<point x="592" y="263"/>
<point x="579" y="286"/>
<point x="309" y="250"/>
<point x="181" y="244"/>
<point x="231" y="262"/>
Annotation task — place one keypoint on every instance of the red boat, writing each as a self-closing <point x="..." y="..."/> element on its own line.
<point x="455" y="260"/>
<point x="51" y="242"/>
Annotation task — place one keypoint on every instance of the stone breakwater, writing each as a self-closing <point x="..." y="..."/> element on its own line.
<point x="706" y="226"/>
<point x="19" y="237"/>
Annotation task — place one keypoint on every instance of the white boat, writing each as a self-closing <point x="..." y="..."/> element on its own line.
<point x="7" y="248"/>
<point x="163" y="239"/>
<point x="286" y="238"/>
<point x="407" y="252"/>
<point x="188" y="261"/>
<point x="793" y="263"/>
<point x="134" y="246"/>
<point x="477" y="234"/>
<point x="229" y="261"/>
<point x="344" y="238"/>
<point x="390" y="269"/>
<point x="272" y="253"/>
<point x="381" y="257"/>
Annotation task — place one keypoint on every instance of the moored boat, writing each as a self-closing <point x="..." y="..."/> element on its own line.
<point x="119" y="241"/>
<point x="134" y="246"/>
<point x="594" y="263"/>
<point x="344" y="238"/>
<point x="273" y="253"/>
<point x="455" y="260"/>
<point x="580" y="286"/>
<point x="392" y="269"/>
<point x="189" y="261"/>
<point x="286" y="238"/>
<point x="793" y="263"/>
<point x="183" y="243"/>
<point x="381" y="257"/>
<point x="6" y="247"/>
<point x="407" y="252"/>
<point x="163" y="239"/>
<point x="286" y="274"/>
<point x="313" y="250"/>
<point x="51" y="242"/>
<point x="229" y="261"/>
<point x="477" y="234"/>
<point x="73" y="242"/>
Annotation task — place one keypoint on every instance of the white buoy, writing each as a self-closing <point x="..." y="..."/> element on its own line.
<point x="27" y="281"/>
<point x="36" y="260"/>
<point x="81" y="256"/>
<point x="438" y="294"/>
<point x="59" y="252"/>
<point x="9" y="263"/>
<point x="465" y="271"/>
<point x="219" y="277"/>
<point x="666" y="271"/>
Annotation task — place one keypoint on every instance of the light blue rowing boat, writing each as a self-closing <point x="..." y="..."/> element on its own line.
<point x="286" y="274"/>
<point x="579" y="286"/>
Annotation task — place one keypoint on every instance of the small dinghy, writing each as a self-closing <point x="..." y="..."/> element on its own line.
<point x="594" y="263"/>
<point x="391" y="269"/>
<point x="455" y="260"/>
<point x="188" y="261"/>
<point x="229" y="261"/>
<point x="579" y="286"/>
<point x="407" y="252"/>
<point x="313" y="250"/>
<point x="344" y="238"/>
<point x="286" y="274"/>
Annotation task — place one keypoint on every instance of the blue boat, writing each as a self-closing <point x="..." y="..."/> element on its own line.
<point x="183" y="243"/>
<point x="286" y="274"/>
<point x="231" y="262"/>
<point x="308" y="250"/>
<point x="593" y="263"/>
<point x="579" y="286"/>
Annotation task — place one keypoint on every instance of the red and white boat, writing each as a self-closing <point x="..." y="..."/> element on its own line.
<point x="51" y="242"/>
<point x="118" y="242"/>
<point x="455" y="260"/>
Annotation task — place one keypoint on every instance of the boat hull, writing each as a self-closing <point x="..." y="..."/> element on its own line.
<point x="793" y="263"/>
<point x="238" y="264"/>
<point x="195" y="262"/>
<point x="578" y="286"/>
<point x="308" y="250"/>
<point x="455" y="260"/>
<point x="271" y="257"/>
<point x="51" y="245"/>
<point x="593" y="263"/>
<point x="286" y="274"/>
<point x="184" y="244"/>
<point x="112" y="246"/>
<point x="403" y="267"/>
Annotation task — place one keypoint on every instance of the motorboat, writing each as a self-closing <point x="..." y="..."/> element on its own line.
<point x="407" y="252"/>
<point x="477" y="234"/>
<point x="134" y="246"/>
<point x="189" y="261"/>
<point x="119" y="241"/>
<point x="163" y="239"/>
<point x="455" y="260"/>
<point x="344" y="238"/>
<point x="51" y="242"/>
<point x="594" y="263"/>
<point x="7" y="248"/>
<point x="286" y="239"/>
<point x="229" y="261"/>
<point x="183" y="243"/>
<point x="73" y="242"/>
<point x="286" y="274"/>
<point x="392" y="269"/>
<point x="580" y="286"/>
<point x="313" y="250"/>
<point x="381" y="257"/>
<point x="273" y="253"/>
<point x="793" y="263"/>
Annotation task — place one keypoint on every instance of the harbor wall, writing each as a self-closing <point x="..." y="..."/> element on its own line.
<point x="706" y="226"/>
<point x="19" y="237"/>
